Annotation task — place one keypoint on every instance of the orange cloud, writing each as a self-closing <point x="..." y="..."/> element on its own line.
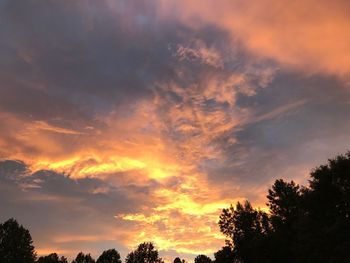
<point x="157" y="140"/>
<point x="312" y="36"/>
<point x="42" y="125"/>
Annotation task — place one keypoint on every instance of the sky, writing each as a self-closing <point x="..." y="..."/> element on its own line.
<point x="124" y="121"/>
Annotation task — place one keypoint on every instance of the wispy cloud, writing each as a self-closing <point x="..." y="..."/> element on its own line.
<point x="42" y="125"/>
<point x="279" y="111"/>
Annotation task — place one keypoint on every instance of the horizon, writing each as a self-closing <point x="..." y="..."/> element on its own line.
<point x="130" y="121"/>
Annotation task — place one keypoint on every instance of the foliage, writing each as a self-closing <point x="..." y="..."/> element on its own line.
<point x="145" y="253"/>
<point x="284" y="202"/>
<point x="15" y="243"/>
<point x="52" y="258"/>
<point x="109" y="256"/>
<point x="202" y="259"/>
<point x="304" y="224"/>
<point x="179" y="260"/>
<point x="82" y="258"/>
<point x="247" y="229"/>
<point x="224" y="255"/>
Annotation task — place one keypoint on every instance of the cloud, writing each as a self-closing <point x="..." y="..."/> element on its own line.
<point x="201" y="52"/>
<point x="47" y="127"/>
<point x="310" y="36"/>
<point x="279" y="111"/>
<point x="130" y="126"/>
<point x="300" y="123"/>
<point x="66" y="208"/>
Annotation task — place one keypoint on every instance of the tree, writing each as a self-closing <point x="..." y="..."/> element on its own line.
<point x="284" y="202"/>
<point x="325" y="226"/>
<point x="329" y="194"/>
<point x="52" y="258"/>
<point x="145" y="253"/>
<point x="247" y="229"/>
<point x="109" y="256"/>
<point x="202" y="259"/>
<point x="225" y="255"/>
<point x="306" y="224"/>
<point x="82" y="258"/>
<point x="15" y="243"/>
<point x="179" y="260"/>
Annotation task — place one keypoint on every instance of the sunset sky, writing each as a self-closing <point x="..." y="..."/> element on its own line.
<point x="123" y="121"/>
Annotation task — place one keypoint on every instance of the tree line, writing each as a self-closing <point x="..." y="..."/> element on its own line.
<point x="304" y="224"/>
<point x="16" y="246"/>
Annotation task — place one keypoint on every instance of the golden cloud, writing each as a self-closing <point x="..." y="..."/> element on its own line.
<point x="151" y="140"/>
<point x="312" y="36"/>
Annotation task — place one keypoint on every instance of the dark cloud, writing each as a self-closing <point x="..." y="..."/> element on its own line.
<point x="60" y="210"/>
<point x="89" y="52"/>
<point x="69" y="63"/>
<point x="282" y="141"/>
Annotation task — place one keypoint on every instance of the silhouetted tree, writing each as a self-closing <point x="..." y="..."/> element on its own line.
<point x="52" y="258"/>
<point x="247" y="229"/>
<point x="330" y="190"/>
<point x="284" y="202"/>
<point x="179" y="260"/>
<point x="109" y="256"/>
<point x="15" y="243"/>
<point x="306" y="224"/>
<point x="324" y="229"/>
<point x="145" y="253"/>
<point x="202" y="259"/>
<point x="82" y="258"/>
<point x="225" y="255"/>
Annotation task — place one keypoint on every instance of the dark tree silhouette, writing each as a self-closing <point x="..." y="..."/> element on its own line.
<point x="83" y="258"/>
<point x="225" y="255"/>
<point x="325" y="227"/>
<point x="330" y="189"/>
<point x="109" y="256"/>
<point x="305" y="224"/>
<point x="202" y="259"/>
<point x="179" y="260"/>
<point x="145" y="253"/>
<point x="52" y="258"/>
<point x="284" y="202"/>
<point x="247" y="229"/>
<point x="15" y="243"/>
